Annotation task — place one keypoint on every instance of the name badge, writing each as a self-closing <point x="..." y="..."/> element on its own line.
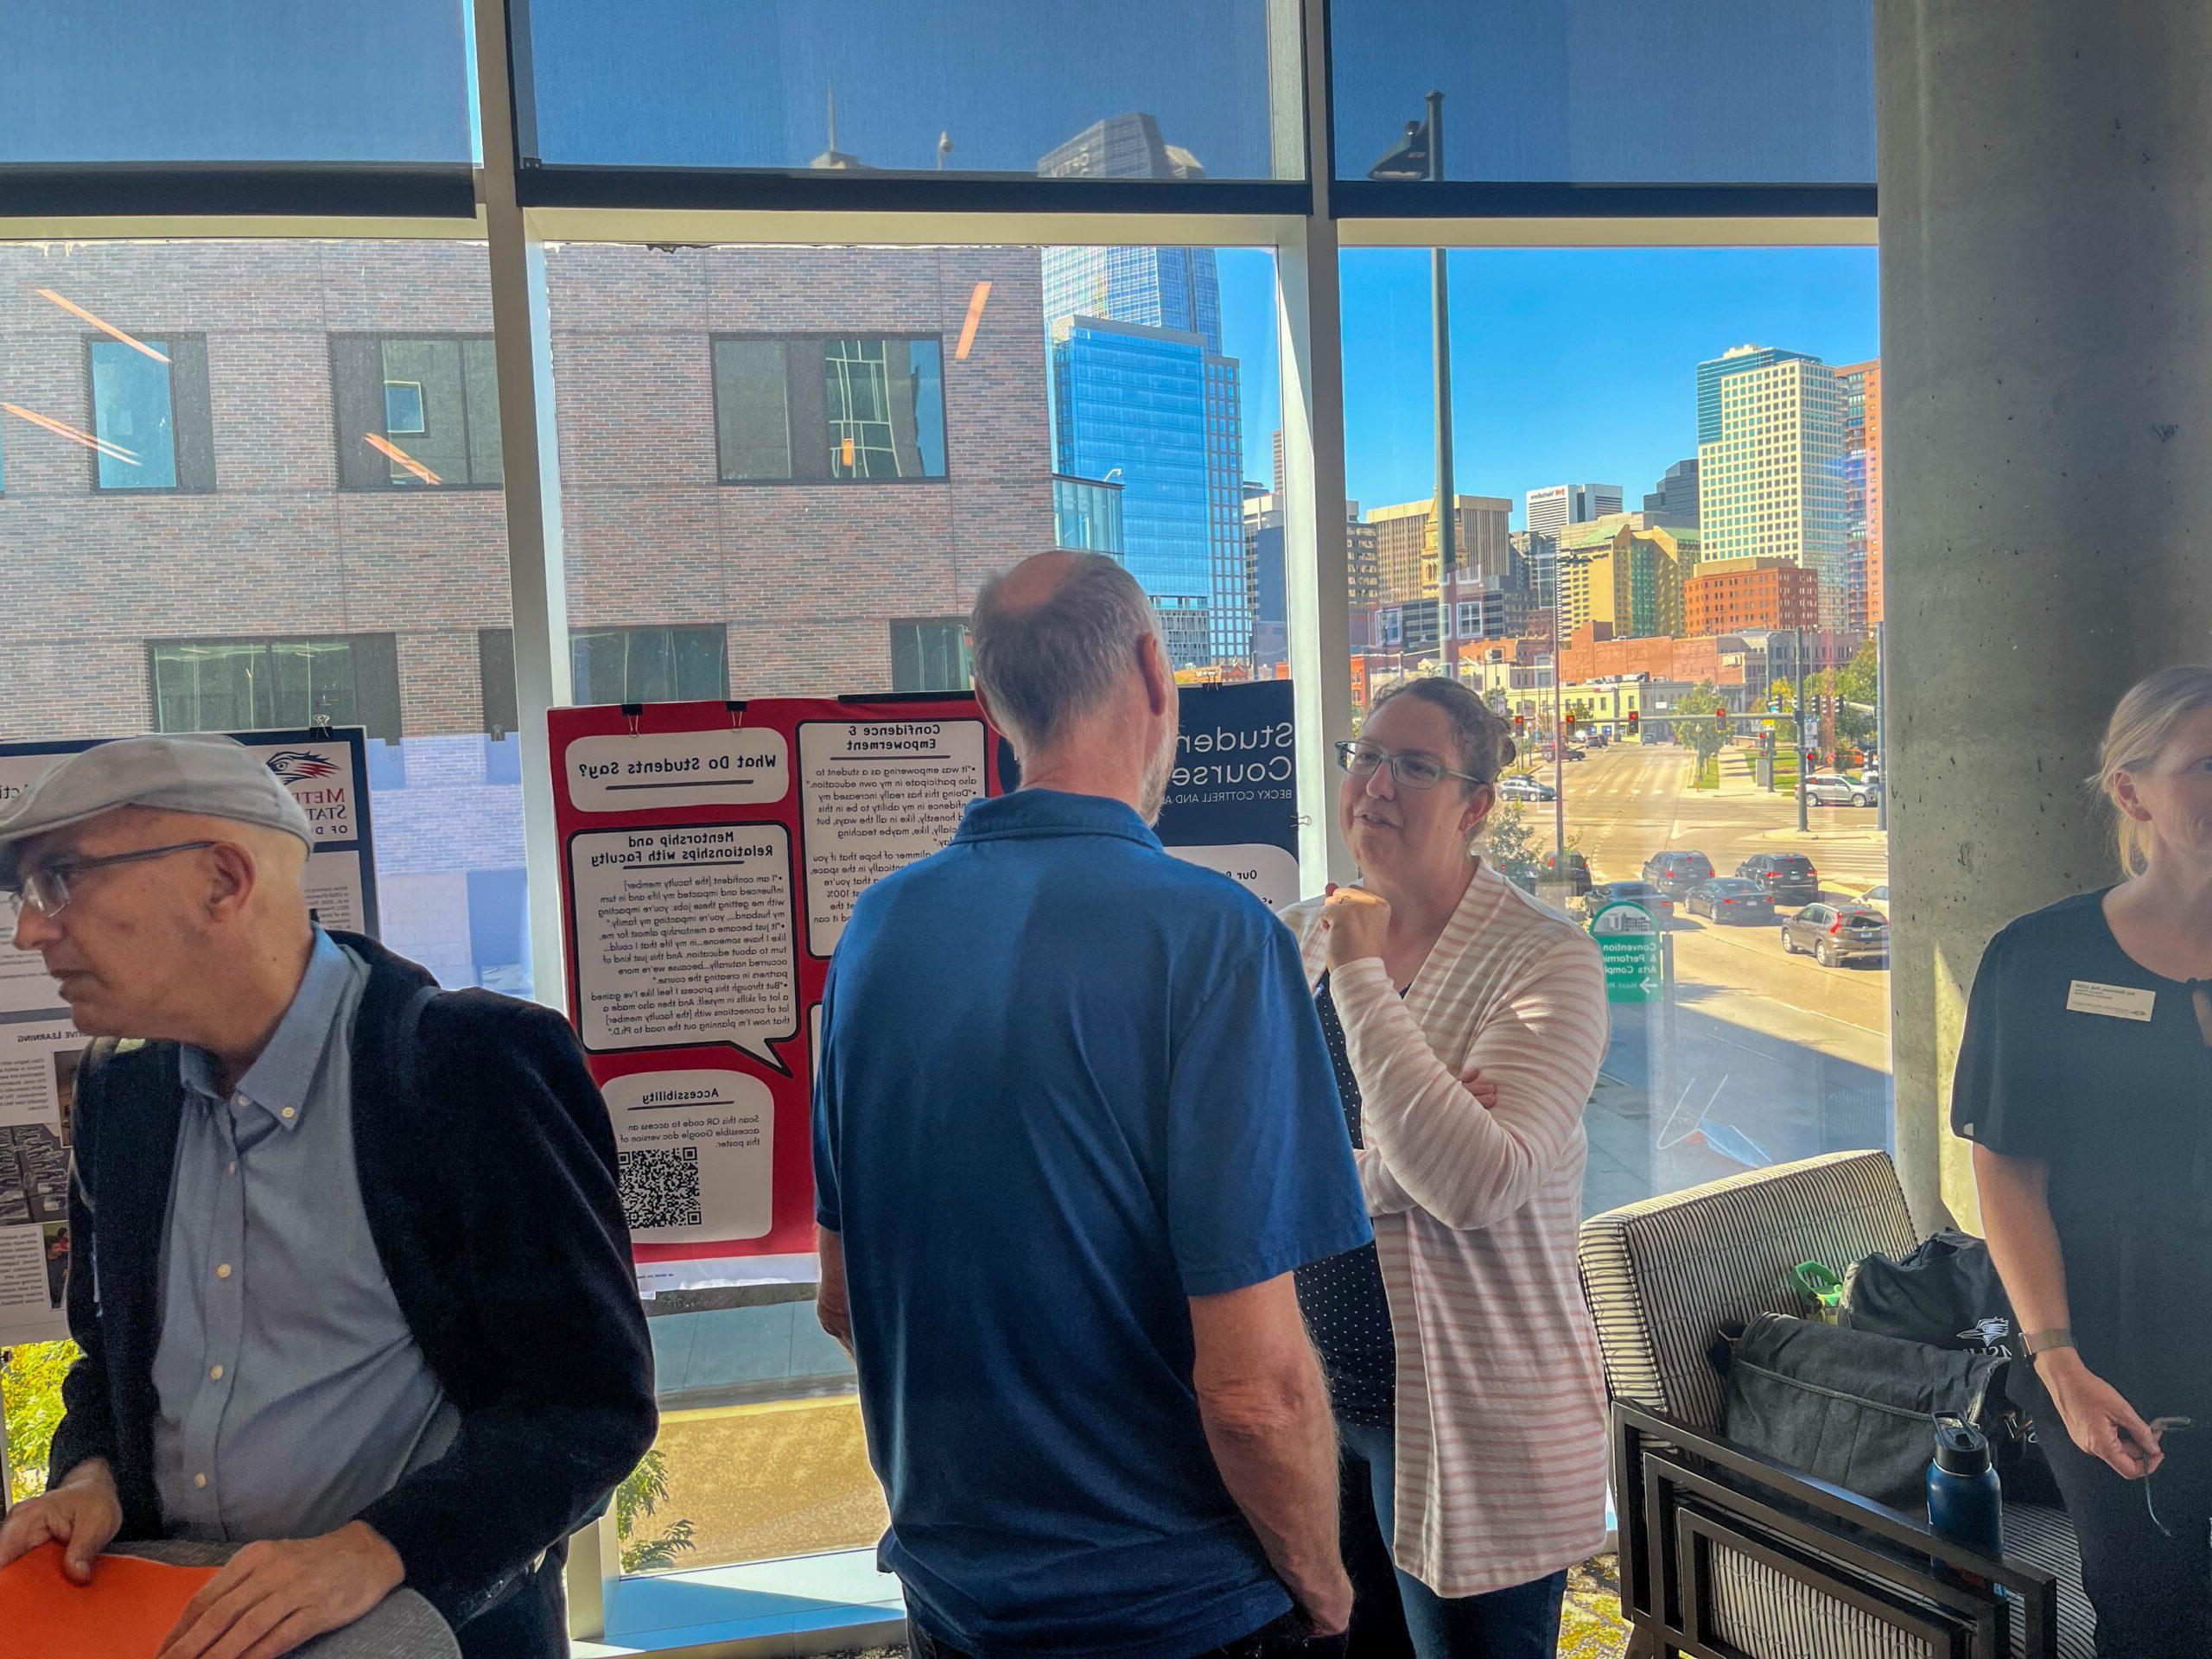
<point x="2113" y="1001"/>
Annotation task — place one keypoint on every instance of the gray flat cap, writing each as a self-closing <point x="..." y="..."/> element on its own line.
<point x="203" y="773"/>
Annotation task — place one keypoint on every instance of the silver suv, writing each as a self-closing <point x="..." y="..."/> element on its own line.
<point x="1828" y="789"/>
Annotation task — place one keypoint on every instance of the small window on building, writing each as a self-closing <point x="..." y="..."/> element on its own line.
<point x="151" y="417"/>
<point x="416" y="412"/>
<point x="829" y="409"/>
<point x="230" y="685"/>
<point x="930" y="655"/>
<point x="648" y="664"/>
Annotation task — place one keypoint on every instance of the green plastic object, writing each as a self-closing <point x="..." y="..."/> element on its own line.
<point x="1822" y="1290"/>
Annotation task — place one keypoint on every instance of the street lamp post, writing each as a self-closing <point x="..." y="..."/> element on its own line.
<point x="1797" y="661"/>
<point x="1447" y="538"/>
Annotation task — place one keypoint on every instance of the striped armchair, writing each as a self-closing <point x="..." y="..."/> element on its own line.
<point x="1725" y="1553"/>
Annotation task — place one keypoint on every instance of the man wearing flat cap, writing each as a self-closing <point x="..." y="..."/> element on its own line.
<point x="353" y="1287"/>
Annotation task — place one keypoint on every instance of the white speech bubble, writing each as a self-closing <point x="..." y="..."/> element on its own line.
<point x="620" y="773"/>
<point x="698" y="1155"/>
<point x="878" y="795"/>
<point x="684" y="936"/>
<point x="1267" y="873"/>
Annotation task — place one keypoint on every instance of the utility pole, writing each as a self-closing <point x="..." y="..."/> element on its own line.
<point x="1559" y="729"/>
<point x="1881" y="730"/>
<point x="1798" y="659"/>
<point x="1448" y="540"/>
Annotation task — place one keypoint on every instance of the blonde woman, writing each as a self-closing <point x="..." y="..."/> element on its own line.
<point x="2085" y="1082"/>
<point x="1466" y="1022"/>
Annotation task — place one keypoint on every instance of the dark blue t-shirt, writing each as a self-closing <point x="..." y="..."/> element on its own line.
<point x="1066" y="1083"/>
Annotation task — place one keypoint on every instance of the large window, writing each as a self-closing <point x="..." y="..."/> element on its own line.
<point x="147" y="592"/>
<point x="151" y="81"/>
<point x="1631" y="366"/>
<point x="816" y="409"/>
<point x="1609" y="91"/>
<point x="415" y="412"/>
<point x="150" y="422"/>
<point x="1083" y="89"/>
<point x="940" y="366"/>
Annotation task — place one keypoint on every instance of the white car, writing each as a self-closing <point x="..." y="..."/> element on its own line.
<point x="1521" y="787"/>
<point x="1828" y="789"/>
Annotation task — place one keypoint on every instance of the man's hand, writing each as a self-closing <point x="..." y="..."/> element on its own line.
<point x="1327" y="1606"/>
<point x="2097" y="1419"/>
<point x="83" y="1514"/>
<point x="273" y="1596"/>
<point x="1484" y="1091"/>
<point x="1357" y="923"/>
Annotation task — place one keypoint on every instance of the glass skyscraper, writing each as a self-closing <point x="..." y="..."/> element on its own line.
<point x="1139" y="406"/>
<point x="1162" y="287"/>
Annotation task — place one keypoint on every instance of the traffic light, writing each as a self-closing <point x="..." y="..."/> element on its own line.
<point x="1570" y="722"/>
<point x="1812" y="759"/>
<point x="1634" y="721"/>
<point x="1520" y="724"/>
<point x="1720" y="720"/>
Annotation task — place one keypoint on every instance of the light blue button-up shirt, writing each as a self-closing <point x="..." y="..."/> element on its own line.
<point x="292" y="1393"/>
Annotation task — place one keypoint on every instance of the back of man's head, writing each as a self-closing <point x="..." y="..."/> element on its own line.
<point x="1053" y="638"/>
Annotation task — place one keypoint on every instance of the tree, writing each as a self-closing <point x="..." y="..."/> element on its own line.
<point x="635" y="1500"/>
<point x="1693" y="721"/>
<point x="1859" y="684"/>
<point x="1782" y="697"/>
<point x="31" y="1386"/>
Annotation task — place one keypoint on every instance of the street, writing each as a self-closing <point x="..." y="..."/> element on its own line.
<point x="1756" y="1057"/>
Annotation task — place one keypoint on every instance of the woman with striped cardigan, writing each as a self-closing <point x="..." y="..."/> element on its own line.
<point x="1467" y="1022"/>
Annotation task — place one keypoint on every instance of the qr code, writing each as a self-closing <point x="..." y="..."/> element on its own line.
<point x="660" y="1187"/>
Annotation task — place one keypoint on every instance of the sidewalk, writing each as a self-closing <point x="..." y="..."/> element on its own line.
<point x="1740" y="781"/>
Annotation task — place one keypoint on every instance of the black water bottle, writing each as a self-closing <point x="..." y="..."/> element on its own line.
<point x="1965" y="1501"/>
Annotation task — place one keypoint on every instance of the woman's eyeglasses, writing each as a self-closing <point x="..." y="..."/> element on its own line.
<point x="1411" y="769"/>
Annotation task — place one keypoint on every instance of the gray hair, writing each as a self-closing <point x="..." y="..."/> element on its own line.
<point x="1044" y="667"/>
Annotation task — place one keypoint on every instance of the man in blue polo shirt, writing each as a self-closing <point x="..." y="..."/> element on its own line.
<point x="1075" y="1124"/>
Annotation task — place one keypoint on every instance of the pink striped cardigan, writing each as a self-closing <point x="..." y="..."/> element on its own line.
<point x="1501" y="1413"/>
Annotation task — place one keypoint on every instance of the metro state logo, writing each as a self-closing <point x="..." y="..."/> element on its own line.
<point x="299" y="766"/>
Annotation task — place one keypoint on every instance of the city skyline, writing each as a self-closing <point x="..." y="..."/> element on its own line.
<point x="1545" y="322"/>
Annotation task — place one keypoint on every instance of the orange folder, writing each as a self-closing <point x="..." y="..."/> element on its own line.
<point x="123" y="1613"/>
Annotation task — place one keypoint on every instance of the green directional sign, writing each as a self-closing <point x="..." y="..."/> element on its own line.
<point x="1628" y="940"/>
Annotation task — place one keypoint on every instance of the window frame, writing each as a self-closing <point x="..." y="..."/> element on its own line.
<point x="630" y="632"/>
<point x="191" y="447"/>
<point x="388" y="640"/>
<point x="460" y="338"/>
<point x="787" y="337"/>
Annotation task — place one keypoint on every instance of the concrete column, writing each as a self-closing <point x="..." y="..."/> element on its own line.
<point x="2046" y="196"/>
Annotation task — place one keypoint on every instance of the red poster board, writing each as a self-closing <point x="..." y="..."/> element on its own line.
<point x="710" y="853"/>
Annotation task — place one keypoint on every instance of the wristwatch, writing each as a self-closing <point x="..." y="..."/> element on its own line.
<point x="2042" y="1342"/>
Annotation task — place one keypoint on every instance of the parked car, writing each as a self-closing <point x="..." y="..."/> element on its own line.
<point x="1573" y="753"/>
<point x="1728" y="898"/>
<point x="1830" y="788"/>
<point x="1601" y="893"/>
<point x="1570" y="867"/>
<point x="1519" y="786"/>
<point x="1788" y="878"/>
<point x="1676" y="873"/>
<point x="1522" y="873"/>
<point x="1836" y="934"/>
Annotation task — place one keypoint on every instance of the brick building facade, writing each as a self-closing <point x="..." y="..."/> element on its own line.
<point x="808" y="580"/>
<point x="1731" y="594"/>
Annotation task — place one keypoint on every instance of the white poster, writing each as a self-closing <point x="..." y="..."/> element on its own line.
<point x="326" y="771"/>
<point x="878" y="795"/>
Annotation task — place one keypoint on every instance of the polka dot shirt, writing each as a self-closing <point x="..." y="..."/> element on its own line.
<point x="1342" y="1296"/>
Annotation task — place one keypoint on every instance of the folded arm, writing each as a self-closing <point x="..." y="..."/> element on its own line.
<point x="1430" y="1143"/>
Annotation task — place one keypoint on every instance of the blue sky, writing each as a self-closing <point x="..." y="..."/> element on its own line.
<point x="1569" y="366"/>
